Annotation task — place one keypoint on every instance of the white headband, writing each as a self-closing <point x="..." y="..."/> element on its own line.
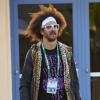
<point x="48" y="19"/>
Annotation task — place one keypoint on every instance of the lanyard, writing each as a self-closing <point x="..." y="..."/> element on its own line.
<point x="47" y="62"/>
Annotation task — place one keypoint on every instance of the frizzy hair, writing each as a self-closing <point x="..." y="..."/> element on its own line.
<point x="34" y="27"/>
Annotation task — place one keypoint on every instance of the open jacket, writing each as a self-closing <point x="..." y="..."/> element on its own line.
<point x="30" y="81"/>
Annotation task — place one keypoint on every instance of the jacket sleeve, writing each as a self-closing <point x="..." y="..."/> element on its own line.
<point x="74" y="81"/>
<point x="25" y="81"/>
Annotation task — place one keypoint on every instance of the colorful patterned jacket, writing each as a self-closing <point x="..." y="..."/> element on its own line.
<point x="29" y="86"/>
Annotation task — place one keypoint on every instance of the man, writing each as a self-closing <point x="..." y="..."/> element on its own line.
<point x="49" y="72"/>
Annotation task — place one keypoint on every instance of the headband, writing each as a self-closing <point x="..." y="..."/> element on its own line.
<point x="48" y="19"/>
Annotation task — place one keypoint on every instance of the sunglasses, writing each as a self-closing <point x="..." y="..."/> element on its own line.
<point x="50" y="27"/>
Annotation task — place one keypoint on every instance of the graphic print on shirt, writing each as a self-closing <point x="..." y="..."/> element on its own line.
<point x="52" y="58"/>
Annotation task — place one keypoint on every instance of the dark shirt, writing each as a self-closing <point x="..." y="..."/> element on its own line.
<point x="52" y="58"/>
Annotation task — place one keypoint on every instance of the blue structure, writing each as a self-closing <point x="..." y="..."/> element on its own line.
<point x="81" y="42"/>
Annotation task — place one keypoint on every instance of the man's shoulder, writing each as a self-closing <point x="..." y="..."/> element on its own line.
<point x="32" y="46"/>
<point x="69" y="48"/>
<point x="35" y="45"/>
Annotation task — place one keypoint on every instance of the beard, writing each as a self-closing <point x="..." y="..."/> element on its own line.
<point x="52" y="36"/>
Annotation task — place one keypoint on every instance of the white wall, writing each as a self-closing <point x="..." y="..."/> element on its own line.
<point x="5" y="52"/>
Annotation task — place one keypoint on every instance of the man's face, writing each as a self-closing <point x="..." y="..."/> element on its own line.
<point x="50" y="31"/>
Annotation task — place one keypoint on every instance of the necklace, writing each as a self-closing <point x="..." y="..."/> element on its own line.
<point x="47" y="62"/>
